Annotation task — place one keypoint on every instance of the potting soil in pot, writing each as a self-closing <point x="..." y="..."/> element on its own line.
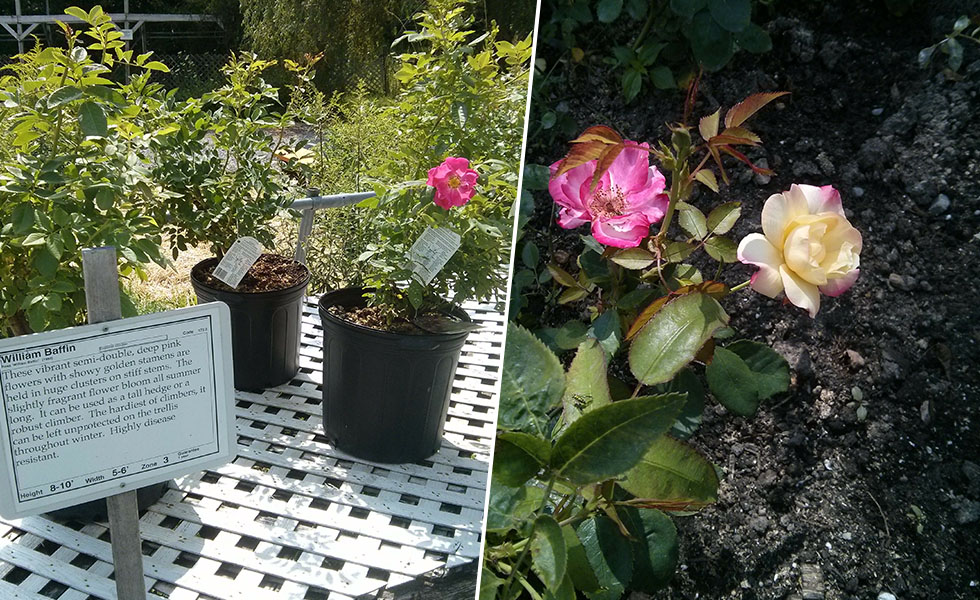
<point x="271" y="272"/>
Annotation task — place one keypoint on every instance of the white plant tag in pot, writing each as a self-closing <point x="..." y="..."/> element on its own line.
<point x="238" y="260"/>
<point x="430" y="253"/>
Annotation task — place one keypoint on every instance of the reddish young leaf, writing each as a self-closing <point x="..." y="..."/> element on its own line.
<point x="748" y="107"/>
<point x="742" y="132"/>
<point x="646" y="315"/>
<point x="708" y="126"/>
<point x="706" y="353"/>
<point x="580" y="154"/>
<point x="724" y="140"/>
<point x="715" y="289"/>
<point x="605" y="161"/>
<point x="721" y="168"/>
<point x="743" y="158"/>
<point x="599" y="133"/>
<point x="692" y="94"/>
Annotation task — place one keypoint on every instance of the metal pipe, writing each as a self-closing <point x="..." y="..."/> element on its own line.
<point x="333" y="201"/>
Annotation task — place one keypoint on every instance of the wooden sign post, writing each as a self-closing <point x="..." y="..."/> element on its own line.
<point x="99" y="267"/>
<point x="100" y="410"/>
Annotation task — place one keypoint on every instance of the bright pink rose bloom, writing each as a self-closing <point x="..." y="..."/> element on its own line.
<point x="454" y="181"/>
<point x="627" y="200"/>
<point x="807" y="247"/>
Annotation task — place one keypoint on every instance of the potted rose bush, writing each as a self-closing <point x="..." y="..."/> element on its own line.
<point x="446" y="189"/>
<point x="591" y="461"/>
<point x="220" y="166"/>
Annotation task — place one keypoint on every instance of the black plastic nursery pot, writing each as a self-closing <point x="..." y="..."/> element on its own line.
<point x="385" y="395"/>
<point x="265" y="330"/>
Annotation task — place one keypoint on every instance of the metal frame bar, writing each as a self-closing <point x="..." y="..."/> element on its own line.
<point x="315" y="202"/>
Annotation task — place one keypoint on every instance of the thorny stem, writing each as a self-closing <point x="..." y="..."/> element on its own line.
<point x="520" y="559"/>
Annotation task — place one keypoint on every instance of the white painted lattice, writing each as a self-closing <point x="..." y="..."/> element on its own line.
<point x="290" y="517"/>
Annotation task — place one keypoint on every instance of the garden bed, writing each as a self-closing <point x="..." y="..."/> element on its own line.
<point x="862" y="479"/>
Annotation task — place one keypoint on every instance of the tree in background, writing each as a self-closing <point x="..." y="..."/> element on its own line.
<point x="355" y="36"/>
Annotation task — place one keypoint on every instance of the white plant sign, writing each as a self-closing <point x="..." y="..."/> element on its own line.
<point x="96" y="410"/>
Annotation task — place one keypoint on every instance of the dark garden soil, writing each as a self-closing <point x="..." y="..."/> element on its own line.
<point x="374" y="317"/>
<point x="270" y="273"/>
<point x="863" y="481"/>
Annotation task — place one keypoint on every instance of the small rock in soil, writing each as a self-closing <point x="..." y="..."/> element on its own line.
<point x="760" y="178"/>
<point x="969" y="512"/>
<point x="972" y="473"/>
<point x="797" y="356"/>
<point x="926" y="411"/>
<point x="877" y="111"/>
<point x="857" y="191"/>
<point x="886" y="596"/>
<point x="857" y="361"/>
<point x="940" y="206"/>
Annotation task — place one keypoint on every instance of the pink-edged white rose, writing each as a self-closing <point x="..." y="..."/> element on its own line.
<point x="808" y="247"/>
<point x="454" y="181"/>
<point x="627" y="200"/>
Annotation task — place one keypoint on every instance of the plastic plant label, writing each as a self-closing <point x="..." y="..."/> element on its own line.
<point x="238" y="260"/>
<point x="430" y="253"/>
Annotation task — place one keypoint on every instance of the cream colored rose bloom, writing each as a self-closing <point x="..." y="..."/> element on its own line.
<point x="809" y="247"/>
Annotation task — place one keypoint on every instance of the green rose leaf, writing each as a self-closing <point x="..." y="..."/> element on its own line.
<point x="632" y="84"/>
<point x="532" y="382"/>
<point x="692" y="221"/>
<point x="672" y="471"/>
<point x="35" y="239"/>
<point x="565" y="591"/>
<point x="64" y="96"/>
<point x="655" y="549"/>
<point x="611" y="439"/>
<point x="45" y="262"/>
<point x="548" y="554"/>
<point x="721" y="249"/>
<point x="712" y="45"/>
<point x="723" y="217"/>
<point x="609" y="554"/>
<point x="22" y="217"/>
<point x="517" y="457"/>
<point x="92" y="121"/>
<point x="587" y="386"/>
<point x="634" y="258"/>
<point x="669" y="341"/>
<point x="687" y="8"/>
<point x="733" y="15"/>
<point x="754" y="39"/>
<point x="509" y="507"/>
<point x="608" y="330"/>
<point x="489" y="583"/>
<point x="579" y="570"/>
<point x="687" y="382"/>
<point x="608" y="11"/>
<point x="747" y="373"/>
<point x="663" y="78"/>
<point x="536" y="177"/>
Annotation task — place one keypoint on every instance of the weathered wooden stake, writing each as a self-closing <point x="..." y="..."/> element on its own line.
<point x="102" y="297"/>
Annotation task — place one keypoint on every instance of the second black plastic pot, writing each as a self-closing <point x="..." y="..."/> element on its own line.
<point x="385" y="395"/>
<point x="265" y="330"/>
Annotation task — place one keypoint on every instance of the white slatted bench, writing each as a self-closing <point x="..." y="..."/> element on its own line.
<point x="292" y="517"/>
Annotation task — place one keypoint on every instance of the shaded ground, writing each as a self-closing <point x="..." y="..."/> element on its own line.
<point x="864" y="478"/>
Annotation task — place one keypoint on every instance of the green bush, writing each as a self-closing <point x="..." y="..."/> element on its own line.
<point x="76" y="172"/>
<point x="351" y="133"/>
<point x="218" y="162"/>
